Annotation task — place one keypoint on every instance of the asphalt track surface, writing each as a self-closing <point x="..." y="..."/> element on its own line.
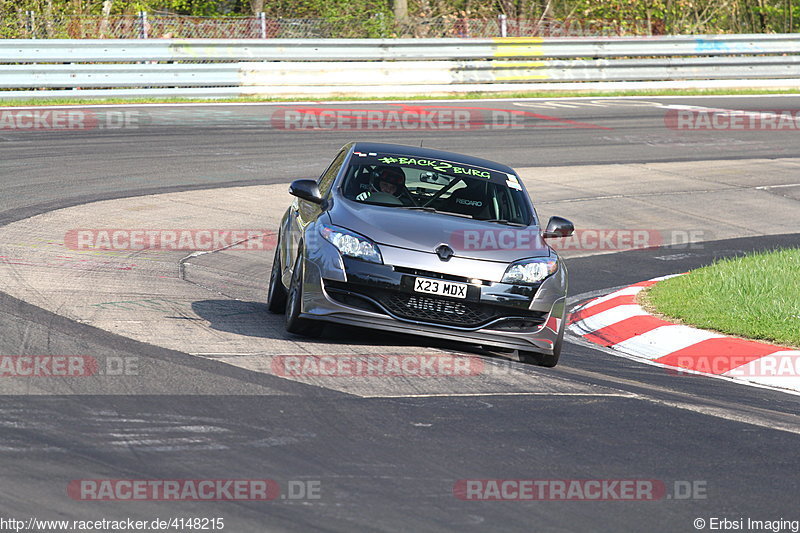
<point x="389" y="464"/>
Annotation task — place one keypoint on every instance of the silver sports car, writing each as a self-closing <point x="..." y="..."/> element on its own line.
<point x="421" y="241"/>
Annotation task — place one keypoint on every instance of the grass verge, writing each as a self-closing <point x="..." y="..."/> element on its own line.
<point x="756" y="296"/>
<point x="469" y="96"/>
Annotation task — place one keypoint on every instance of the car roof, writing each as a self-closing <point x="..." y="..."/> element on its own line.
<point x="429" y="153"/>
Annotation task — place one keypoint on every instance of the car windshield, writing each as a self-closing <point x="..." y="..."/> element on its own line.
<point x="432" y="185"/>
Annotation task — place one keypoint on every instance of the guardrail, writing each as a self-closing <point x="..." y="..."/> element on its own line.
<point x="89" y="68"/>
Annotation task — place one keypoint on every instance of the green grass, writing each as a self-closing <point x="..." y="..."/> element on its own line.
<point x="470" y="96"/>
<point x="756" y="296"/>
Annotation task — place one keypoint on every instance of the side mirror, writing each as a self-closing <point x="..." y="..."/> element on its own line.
<point x="558" y="227"/>
<point x="306" y="190"/>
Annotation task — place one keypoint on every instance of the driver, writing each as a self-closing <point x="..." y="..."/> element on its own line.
<point x="390" y="180"/>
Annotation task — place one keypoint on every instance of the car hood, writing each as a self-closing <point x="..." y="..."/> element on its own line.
<point x="425" y="231"/>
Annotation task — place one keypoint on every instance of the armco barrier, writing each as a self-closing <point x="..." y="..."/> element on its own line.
<point x="317" y="67"/>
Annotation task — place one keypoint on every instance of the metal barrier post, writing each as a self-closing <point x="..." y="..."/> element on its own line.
<point x="503" y="19"/>
<point x="262" y="17"/>
<point x="143" y="24"/>
<point x="31" y="24"/>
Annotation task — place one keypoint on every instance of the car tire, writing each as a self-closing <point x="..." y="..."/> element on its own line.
<point x="292" y="321"/>
<point x="276" y="295"/>
<point x="544" y="359"/>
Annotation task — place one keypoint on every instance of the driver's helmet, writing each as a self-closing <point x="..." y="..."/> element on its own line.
<point x="393" y="175"/>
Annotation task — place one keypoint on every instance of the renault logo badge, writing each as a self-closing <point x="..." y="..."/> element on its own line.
<point x="444" y="252"/>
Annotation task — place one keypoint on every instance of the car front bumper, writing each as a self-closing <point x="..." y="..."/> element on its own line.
<point x="379" y="296"/>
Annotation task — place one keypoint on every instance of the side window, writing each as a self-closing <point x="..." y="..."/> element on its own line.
<point x="326" y="180"/>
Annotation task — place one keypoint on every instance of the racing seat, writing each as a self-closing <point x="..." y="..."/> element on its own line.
<point x="472" y="200"/>
<point x="358" y="183"/>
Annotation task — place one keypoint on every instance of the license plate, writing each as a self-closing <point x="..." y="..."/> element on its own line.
<point x="440" y="287"/>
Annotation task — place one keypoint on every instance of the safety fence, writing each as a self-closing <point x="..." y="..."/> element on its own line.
<point x="316" y="67"/>
<point x="42" y="25"/>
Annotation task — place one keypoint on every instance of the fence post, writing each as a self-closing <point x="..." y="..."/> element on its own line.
<point x="262" y="17"/>
<point x="503" y="19"/>
<point x="142" y="24"/>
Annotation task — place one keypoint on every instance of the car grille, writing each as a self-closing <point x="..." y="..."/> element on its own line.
<point x="430" y="309"/>
<point x="437" y="310"/>
<point x="437" y="275"/>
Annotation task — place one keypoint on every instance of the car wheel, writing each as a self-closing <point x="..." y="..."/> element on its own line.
<point x="276" y="295"/>
<point x="543" y="359"/>
<point x="293" y="322"/>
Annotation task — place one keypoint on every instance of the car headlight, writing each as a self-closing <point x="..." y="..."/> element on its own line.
<point x="351" y="244"/>
<point x="530" y="270"/>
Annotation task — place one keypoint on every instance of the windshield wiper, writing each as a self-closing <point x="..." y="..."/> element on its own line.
<point x="430" y="209"/>
<point x="420" y="208"/>
<point x="506" y="222"/>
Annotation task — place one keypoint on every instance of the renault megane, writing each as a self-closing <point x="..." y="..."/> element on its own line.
<point x="421" y="241"/>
